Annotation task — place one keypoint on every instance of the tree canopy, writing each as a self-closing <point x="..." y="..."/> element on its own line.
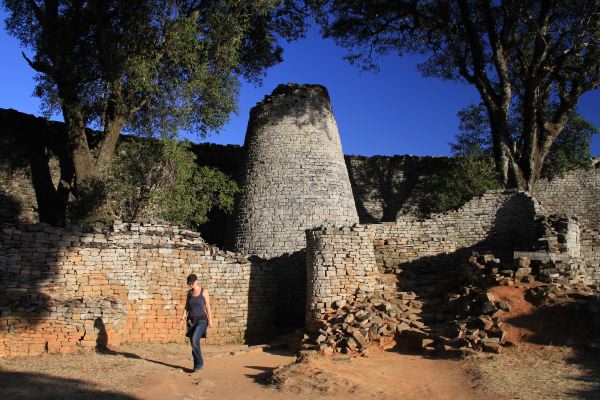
<point x="533" y="58"/>
<point x="569" y="151"/>
<point x="151" y="67"/>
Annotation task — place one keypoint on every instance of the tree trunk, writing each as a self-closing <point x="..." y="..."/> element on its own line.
<point x="77" y="144"/>
<point x="112" y="131"/>
<point x="48" y="207"/>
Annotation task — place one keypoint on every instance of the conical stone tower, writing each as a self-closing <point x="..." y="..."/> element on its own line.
<point x="295" y="177"/>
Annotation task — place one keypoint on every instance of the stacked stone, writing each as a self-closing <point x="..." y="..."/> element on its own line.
<point x="471" y="321"/>
<point x="467" y="322"/>
<point x="559" y="234"/>
<point x="576" y="194"/>
<point x="295" y="177"/>
<point x="500" y="220"/>
<point x="590" y="252"/>
<point x="352" y="326"/>
<point x="340" y="266"/>
<point x="387" y="187"/>
<point x="59" y="284"/>
<point x="526" y="267"/>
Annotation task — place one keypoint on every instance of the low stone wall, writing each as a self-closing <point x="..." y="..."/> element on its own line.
<point x="340" y="264"/>
<point x="498" y="220"/>
<point x="66" y="289"/>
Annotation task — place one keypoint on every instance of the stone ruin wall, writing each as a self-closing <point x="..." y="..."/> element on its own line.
<point x="64" y="290"/>
<point x="294" y="177"/>
<point x="501" y="220"/>
<point x="59" y="282"/>
<point x="384" y="187"/>
<point x="590" y="248"/>
<point x="340" y="263"/>
<point x="388" y="187"/>
<point x="68" y="289"/>
<point x="576" y="194"/>
<point x="345" y="261"/>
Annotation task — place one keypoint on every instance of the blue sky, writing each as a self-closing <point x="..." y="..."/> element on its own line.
<point x="395" y="111"/>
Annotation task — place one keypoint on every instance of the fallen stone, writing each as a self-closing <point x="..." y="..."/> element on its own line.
<point x="360" y="339"/>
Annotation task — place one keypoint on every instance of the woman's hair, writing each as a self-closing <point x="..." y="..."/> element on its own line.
<point x="191" y="279"/>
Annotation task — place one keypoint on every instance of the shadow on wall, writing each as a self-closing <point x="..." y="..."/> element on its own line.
<point x="513" y="228"/>
<point x="26" y="386"/>
<point x="309" y="107"/>
<point x="23" y="273"/>
<point x="32" y="290"/>
<point x="10" y="208"/>
<point x="276" y="297"/>
<point x="383" y="187"/>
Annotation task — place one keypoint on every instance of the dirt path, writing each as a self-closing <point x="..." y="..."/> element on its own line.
<point x="387" y="375"/>
<point x="160" y="372"/>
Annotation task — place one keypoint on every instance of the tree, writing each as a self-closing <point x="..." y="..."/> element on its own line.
<point x="533" y="58"/>
<point x="569" y="151"/>
<point x="145" y="66"/>
<point x="160" y="179"/>
<point x="468" y="176"/>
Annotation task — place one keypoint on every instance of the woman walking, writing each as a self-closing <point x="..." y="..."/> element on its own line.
<point x="198" y="314"/>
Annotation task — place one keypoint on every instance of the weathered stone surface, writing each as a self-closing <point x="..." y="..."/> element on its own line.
<point x="292" y="139"/>
<point x="64" y="290"/>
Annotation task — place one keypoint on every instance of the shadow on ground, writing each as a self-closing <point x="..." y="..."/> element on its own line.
<point x="108" y="352"/>
<point x="575" y="324"/>
<point x="263" y="377"/>
<point x="20" y="385"/>
<point x="588" y="361"/>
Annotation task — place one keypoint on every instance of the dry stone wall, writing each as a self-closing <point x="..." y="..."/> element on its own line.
<point x="64" y="290"/>
<point x="576" y="194"/>
<point x="386" y="188"/>
<point x="590" y="250"/>
<point x="498" y="220"/>
<point x="340" y="264"/>
<point x="295" y="177"/>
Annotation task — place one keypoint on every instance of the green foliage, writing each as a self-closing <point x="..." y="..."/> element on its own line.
<point x="473" y="137"/>
<point x="162" y="65"/>
<point x="90" y="209"/>
<point x="144" y="66"/>
<point x="571" y="150"/>
<point x="468" y="177"/>
<point x="159" y="179"/>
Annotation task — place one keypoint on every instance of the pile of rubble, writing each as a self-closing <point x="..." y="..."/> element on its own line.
<point x="351" y="325"/>
<point x="469" y="321"/>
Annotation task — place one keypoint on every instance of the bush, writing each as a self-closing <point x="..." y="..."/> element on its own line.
<point x="159" y="179"/>
<point x="468" y="177"/>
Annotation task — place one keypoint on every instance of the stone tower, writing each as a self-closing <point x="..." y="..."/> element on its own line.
<point x="295" y="176"/>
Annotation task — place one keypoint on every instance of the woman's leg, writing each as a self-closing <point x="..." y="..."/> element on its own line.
<point x="195" y="341"/>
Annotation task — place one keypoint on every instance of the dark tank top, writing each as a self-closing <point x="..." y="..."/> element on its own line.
<point x="196" y="306"/>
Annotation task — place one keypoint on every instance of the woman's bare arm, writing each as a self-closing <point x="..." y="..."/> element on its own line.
<point x="208" y="309"/>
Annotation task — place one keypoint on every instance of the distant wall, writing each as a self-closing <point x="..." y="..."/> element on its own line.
<point x="64" y="290"/>
<point x="386" y="188"/>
